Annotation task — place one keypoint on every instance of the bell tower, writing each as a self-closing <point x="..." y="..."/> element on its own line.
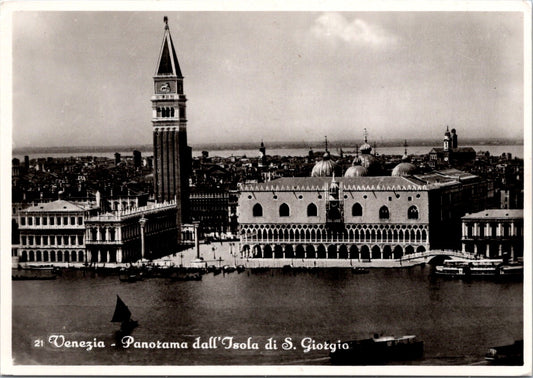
<point x="172" y="156"/>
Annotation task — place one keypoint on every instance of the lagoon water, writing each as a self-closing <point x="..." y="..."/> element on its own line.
<point x="458" y="320"/>
<point x="495" y="150"/>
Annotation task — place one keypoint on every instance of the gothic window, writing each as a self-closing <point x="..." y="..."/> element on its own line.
<point x="172" y="112"/>
<point x="257" y="210"/>
<point x="284" y="210"/>
<point x="384" y="212"/>
<point x="412" y="213"/>
<point x="312" y="210"/>
<point x="357" y="210"/>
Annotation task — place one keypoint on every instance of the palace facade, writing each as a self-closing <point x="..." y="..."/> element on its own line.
<point x="363" y="217"/>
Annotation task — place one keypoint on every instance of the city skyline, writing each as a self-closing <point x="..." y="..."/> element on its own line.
<point x="242" y="87"/>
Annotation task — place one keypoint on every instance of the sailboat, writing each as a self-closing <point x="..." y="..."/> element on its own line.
<point x="123" y="315"/>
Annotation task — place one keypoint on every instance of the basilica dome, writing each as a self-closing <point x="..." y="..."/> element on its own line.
<point x="365" y="148"/>
<point x="324" y="167"/>
<point x="356" y="171"/>
<point x="404" y="169"/>
<point x="369" y="161"/>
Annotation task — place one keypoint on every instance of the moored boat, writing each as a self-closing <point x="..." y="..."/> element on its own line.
<point x="228" y="269"/>
<point x="359" y="270"/>
<point x="378" y="350"/>
<point x="479" y="268"/>
<point x="23" y="274"/>
<point x="511" y="270"/>
<point x="512" y="354"/>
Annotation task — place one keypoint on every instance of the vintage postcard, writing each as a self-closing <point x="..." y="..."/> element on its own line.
<point x="300" y="189"/>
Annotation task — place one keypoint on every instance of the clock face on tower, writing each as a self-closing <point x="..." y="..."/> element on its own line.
<point x="165" y="87"/>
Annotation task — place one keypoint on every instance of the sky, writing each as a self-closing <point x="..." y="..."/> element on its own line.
<point x="84" y="78"/>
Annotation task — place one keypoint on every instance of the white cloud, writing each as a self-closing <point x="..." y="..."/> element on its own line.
<point x="335" y="27"/>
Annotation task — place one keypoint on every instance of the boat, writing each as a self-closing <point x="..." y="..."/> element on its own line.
<point x="512" y="354"/>
<point x="130" y="277"/>
<point x="228" y="269"/>
<point x="469" y="268"/>
<point x="122" y="315"/>
<point x="480" y="268"/>
<point x="513" y="269"/>
<point x="184" y="276"/>
<point x="359" y="270"/>
<point x="127" y="275"/>
<point x="23" y="274"/>
<point x="240" y="268"/>
<point x="377" y="350"/>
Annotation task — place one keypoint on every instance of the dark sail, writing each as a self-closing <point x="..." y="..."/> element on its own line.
<point x="122" y="312"/>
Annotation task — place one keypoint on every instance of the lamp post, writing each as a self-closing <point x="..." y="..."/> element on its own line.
<point x="142" y="222"/>
<point x="196" y="239"/>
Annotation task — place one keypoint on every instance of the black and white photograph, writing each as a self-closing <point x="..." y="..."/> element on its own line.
<point x="288" y="189"/>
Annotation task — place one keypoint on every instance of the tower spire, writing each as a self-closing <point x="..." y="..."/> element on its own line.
<point x="326" y="137"/>
<point x="167" y="64"/>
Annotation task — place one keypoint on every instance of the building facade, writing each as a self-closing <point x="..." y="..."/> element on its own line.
<point x="494" y="233"/>
<point x="127" y="236"/>
<point x="172" y="156"/>
<point x="54" y="231"/>
<point x="381" y="217"/>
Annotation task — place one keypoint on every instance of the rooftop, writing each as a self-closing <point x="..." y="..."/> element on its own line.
<point x="62" y="206"/>
<point x="496" y="214"/>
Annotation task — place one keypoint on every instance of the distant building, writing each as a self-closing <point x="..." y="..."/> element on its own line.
<point x="450" y="153"/>
<point x="54" y="231"/>
<point x="262" y="155"/>
<point x="117" y="158"/>
<point x="15" y="168"/>
<point x="137" y="159"/>
<point x="494" y="233"/>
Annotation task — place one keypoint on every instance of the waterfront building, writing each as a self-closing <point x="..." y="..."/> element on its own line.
<point x="54" y="231"/>
<point x="172" y="156"/>
<point x="494" y="233"/>
<point x="128" y="235"/>
<point x="380" y="217"/>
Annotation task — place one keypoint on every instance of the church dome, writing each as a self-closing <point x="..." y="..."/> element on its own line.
<point x="324" y="167"/>
<point x="356" y="171"/>
<point x="369" y="161"/>
<point x="365" y="148"/>
<point x="404" y="169"/>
